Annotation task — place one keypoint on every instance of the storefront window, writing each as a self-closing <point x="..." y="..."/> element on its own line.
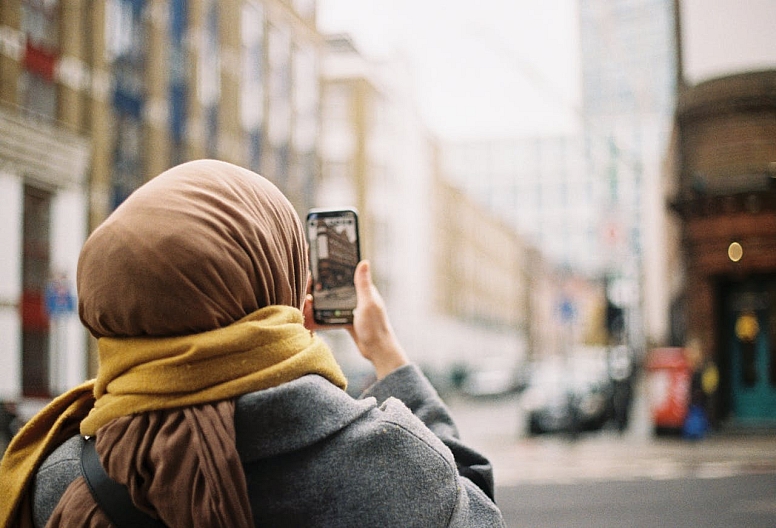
<point x="35" y="274"/>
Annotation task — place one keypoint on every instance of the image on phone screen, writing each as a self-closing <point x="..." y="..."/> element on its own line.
<point x="334" y="254"/>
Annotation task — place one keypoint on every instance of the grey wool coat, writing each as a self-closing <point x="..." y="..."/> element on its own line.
<point x="315" y="457"/>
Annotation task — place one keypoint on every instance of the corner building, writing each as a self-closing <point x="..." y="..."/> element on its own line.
<point x="726" y="198"/>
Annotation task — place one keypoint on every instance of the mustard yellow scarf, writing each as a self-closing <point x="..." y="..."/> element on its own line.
<point x="263" y="350"/>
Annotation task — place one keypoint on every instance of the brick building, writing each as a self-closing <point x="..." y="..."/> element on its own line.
<point x="726" y="199"/>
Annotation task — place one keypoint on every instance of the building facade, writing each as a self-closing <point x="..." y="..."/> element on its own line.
<point x="726" y="199"/>
<point x="591" y="202"/>
<point x="539" y="186"/>
<point x="45" y="158"/>
<point x="481" y="279"/>
<point x="96" y="97"/>
<point x="628" y="62"/>
<point x="450" y="271"/>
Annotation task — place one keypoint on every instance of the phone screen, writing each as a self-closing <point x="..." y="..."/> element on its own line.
<point x="334" y="253"/>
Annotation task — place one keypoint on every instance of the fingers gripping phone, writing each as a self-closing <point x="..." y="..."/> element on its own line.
<point x="334" y="252"/>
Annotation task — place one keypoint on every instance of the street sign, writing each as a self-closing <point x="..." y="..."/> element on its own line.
<point x="567" y="310"/>
<point x="59" y="300"/>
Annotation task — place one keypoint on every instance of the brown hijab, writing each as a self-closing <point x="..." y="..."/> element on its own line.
<point x="196" y="249"/>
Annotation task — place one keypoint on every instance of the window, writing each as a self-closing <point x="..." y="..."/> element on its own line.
<point x="127" y="165"/>
<point x="125" y="48"/>
<point x="178" y="92"/>
<point x="210" y="77"/>
<point x="38" y="95"/>
<point x="40" y="25"/>
<point x="305" y="124"/>
<point x="35" y="274"/>
<point x="279" y="118"/>
<point x="253" y="76"/>
<point x="305" y="99"/>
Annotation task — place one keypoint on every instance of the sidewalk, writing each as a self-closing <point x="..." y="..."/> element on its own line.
<point x="611" y="458"/>
<point x="495" y="428"/>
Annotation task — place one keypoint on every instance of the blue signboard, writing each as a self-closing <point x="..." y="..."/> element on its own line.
<point x="59" y="300"/>
<point x="567" y="310"/>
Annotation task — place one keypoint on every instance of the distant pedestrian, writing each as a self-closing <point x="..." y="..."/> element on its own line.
<point x="696" y="424"/>
<point x="620" y="361"/>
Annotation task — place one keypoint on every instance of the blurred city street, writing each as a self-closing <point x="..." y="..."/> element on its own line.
<point x="496" y="427"/>
<point x="634" y="480"/>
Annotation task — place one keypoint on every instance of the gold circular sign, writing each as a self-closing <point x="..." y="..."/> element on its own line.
<point x="747" y="327"/>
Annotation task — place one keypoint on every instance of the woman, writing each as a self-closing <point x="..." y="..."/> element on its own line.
<point x="214" y="404"/>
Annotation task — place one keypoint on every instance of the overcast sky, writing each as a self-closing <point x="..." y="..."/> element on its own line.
<point x="501" y="68"/>
<point x="727" y="36"/>
<point x="511" y="67"/>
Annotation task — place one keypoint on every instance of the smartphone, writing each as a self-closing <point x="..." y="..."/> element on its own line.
<point x="334" y="252"/>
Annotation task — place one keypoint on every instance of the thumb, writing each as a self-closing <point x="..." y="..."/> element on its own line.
<point x="363" y="280"/>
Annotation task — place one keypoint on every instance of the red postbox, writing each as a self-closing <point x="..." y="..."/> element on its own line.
<point x="668" y="387"/>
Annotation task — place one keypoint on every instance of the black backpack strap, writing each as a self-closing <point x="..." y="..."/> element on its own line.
<point x="111" y="496"/>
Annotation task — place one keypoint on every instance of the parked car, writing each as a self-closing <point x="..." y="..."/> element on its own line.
<point x="494" y="379"/>
<point x="567" y="396"/>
